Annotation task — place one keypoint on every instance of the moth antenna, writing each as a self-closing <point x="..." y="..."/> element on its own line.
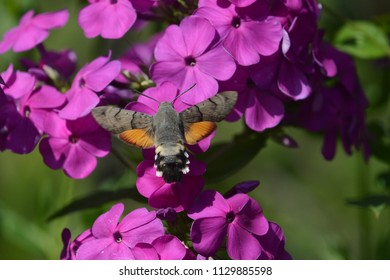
<point x="140" y="93"/>
<point x="180" y="94"/>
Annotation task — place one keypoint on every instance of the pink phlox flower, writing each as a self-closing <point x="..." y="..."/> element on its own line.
<point x="110" y="19"/>
<point x="160" y="194"/>
<point x="32" y="30"/>
<point x="238" y="218"/>
<point x="191" y="54"/>
<point x="247" y="33"/>
<point x="92" y="78"/>
<point x="272" y="244"/>
<point x="74" y="145"/>
<point x="338" y="110"/>
<point x="261" y="107"/>
<point x="166" y="247"/>
<point x="115" y="240"/>
<point x="26" y="109"/>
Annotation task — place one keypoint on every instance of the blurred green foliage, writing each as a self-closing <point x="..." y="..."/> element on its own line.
<point x="328" y="210"/>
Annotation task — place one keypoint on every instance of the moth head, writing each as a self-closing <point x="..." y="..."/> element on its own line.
<point x="172" y="167"/>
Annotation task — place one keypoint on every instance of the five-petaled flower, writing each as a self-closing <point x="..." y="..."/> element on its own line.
<point x="239" y="218"/>
<point x="114" y="239"/>
<point x="190" y="54"/>
<point x="32" y="30"/>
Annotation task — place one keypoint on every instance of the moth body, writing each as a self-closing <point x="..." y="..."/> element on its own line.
<point x="170" y="161"/>
<point x="168" y="130"/>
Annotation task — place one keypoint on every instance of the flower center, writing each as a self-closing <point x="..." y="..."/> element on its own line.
<point x="250" y="83"/>
<point x="236" y="22"/>
<point x="73" y="139"/>
<point x="27" y="111"/>
<point x="82" y="83"/>
<point x="117" y="237"/>
<point x="230" y="217"/>
<point x="190" y="61"/>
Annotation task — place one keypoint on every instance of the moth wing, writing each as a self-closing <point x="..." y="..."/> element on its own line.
<point x="132" y="127"/>
<point x="137" y="137"/>
<point x="199" y="120"/>
<point x="194" y="132"/>
<point x="214" y="109"/>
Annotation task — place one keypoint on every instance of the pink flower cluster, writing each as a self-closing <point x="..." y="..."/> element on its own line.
<point x="270" y="51"/>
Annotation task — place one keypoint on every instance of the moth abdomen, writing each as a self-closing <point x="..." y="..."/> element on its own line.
<point x="171" y="162"/>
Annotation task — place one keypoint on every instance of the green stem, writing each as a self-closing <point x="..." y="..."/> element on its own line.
<point x="365" y="226"/>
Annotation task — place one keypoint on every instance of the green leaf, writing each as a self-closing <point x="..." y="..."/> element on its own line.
<point x="376" y="203"/>
<point x="383" y="179"/>
<point x="226" y="158"/>
<point x="379" y="141"/>
<point x="96" y="199"/>
<point x="363" y="39"/>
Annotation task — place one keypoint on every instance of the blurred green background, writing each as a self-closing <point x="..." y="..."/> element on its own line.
<point x="299" y="190"/>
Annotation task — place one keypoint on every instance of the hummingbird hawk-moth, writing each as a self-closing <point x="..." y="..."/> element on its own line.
<point x="168" y="130"/>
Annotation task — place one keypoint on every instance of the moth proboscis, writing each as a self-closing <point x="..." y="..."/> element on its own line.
<point x="168" y="130"/>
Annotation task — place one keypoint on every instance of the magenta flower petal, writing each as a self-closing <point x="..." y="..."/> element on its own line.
<point x="196" y="39"/>
<point x="19" y="84"/>
<point x="273" y="244"/>
<point x="46" y="97"/>
<point x="51" y="20"/>
<point x="241" y="245"/>
<point x="264" y="35"/>
<point x="103" y="249"/>
<point x="242" y="3"/>
<point x="293" y="82"/>
<point x="171" y="47"/>
<point x="165" y="92"/>
<point x="54" y="150"/>
<point x="106" y="223"/>
<point x="82" y="102"/>
<point x="56" y="127"/>
<point x="217" y="64"/>
<point x="174" y="69"/>
<point x="141" y="107"/>
<point x="108" y="19"/>
<point x="249" y="215"/>
<point x="165" y="196"/>
<point x="143" y="234"/>
<point x="208" y="234"/>
<point x="206" y="86"/>
<point x="89" y="19"/>
<point x="79" y="163"/>
<point x="147" y="183"/>
<point x="97" y="144"/>
<point x="100" y="78"/>
<point x="169" y="247"/>
<point x="240" y="48"/>
<point x="265" y="111"/>
<point x="32" y="31"/>
<point x="24" y="137"/>
<point x="209" y="204"/>
<point x="145" y="251"/>
<point x="136" y="218"/>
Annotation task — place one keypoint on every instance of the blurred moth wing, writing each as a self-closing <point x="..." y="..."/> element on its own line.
<point x="168" y="130"/>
